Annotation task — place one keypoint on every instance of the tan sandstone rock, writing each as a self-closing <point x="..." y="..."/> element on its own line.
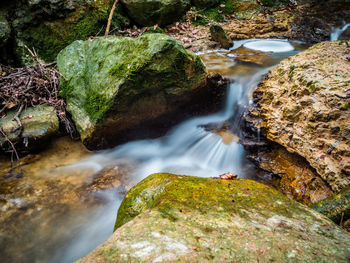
<point x="305" y="107"/>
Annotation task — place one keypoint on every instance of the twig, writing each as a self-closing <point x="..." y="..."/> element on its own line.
<point x="16" y="116"/>
<point x="343" y="97"/>
<point x="12" y="146"/>
<point x="341" y="219"/>
<point x="110" y="17"/>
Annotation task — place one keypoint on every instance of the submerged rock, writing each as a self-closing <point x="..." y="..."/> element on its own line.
<point x="115" y="86"/>
<point x="170" y="217"/>
<point x="44" y="210"/>
<point x="151" y="12"/>
<point x="38" y="123"/>
<point x="304" y="108"/>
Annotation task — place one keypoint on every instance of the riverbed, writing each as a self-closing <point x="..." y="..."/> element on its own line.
<point x="61" y="203"/>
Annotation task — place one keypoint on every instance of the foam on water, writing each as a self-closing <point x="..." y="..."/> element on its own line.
<point x="269" y="45"/>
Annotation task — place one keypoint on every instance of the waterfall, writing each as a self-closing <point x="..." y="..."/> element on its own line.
<point x="338" y="31"/>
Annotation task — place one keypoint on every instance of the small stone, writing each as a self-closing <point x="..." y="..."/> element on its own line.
<point x="218" y="34"/>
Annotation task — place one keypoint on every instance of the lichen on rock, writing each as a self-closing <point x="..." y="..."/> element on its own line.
<point x="169" y="217"/>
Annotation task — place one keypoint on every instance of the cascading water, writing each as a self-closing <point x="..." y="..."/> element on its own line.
<point x="338" y="31"/>
<point x="192" y="148"/>
<point x="188" y="148"/>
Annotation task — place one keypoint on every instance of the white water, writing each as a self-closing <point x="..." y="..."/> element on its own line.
<point x="188" y="148"/>
<point x="338" y="31"/>
<point x="269" y="45"/>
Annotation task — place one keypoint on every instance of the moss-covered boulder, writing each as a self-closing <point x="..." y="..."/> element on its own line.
<point x="336" y="207"/>
<point x="37" y="124"/>
<point x="305" y="107"/>
<point x="51" y="25"/>
<point x="170" y="217"/>
<point x="113" y="85"/>
<point x="151" y="12"/>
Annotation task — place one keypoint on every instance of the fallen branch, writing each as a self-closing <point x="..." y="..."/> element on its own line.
<point x="12" y="146"/>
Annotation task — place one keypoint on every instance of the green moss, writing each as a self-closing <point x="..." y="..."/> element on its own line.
<point x="345" y="107"/>
<point x="215" y="14"/>
<point x="104" y="76"/>
<point x="96" y="105"/>
<point x="169" y="193"/>
<point x="336" y="207"/>
<point x="311" y="86"/>
<point x="271" y="3"/>
<point x="50" y="37"/>
<point x="291" y="71"/>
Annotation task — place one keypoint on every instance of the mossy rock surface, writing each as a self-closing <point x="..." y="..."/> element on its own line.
<point x="151" y="12"/>
<point x="112" y="83"/>
<point x="336" y="207"/>
<point x="50" y="27"/>
<point x="205" y="3"/>
<point x="169" y="217"/>
<point x="38" y="123"/>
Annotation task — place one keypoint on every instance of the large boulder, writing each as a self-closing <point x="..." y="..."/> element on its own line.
<point x="151" y="12"/>
<point x="51" y="25"/>
<point x="35" y="125"/>
<point x="304" y="103"/>
<point x="170" y="217"/>
<point x="114" y="85"/>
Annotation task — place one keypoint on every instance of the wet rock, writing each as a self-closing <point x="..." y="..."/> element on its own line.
<point x="298" y="180"/>
<point x="276" y="26"/>
<point x="219" y="35"/>
<point x="152" y="12"/>
<point x="181" y="218"/>
<point x="314" y="21"/>
<point x="345" y="34"/>
<point x="303" y="108"/>
<point x="346" y="225"/>
<point x="114" y="86"/>
<point x="336" y="207"/>
<point x="250" y="56"/>
<point x="38" y="124"/>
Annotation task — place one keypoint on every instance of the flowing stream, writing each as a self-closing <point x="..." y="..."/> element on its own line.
<point x="203" y="146"/>
<point x="338" y="31"/>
